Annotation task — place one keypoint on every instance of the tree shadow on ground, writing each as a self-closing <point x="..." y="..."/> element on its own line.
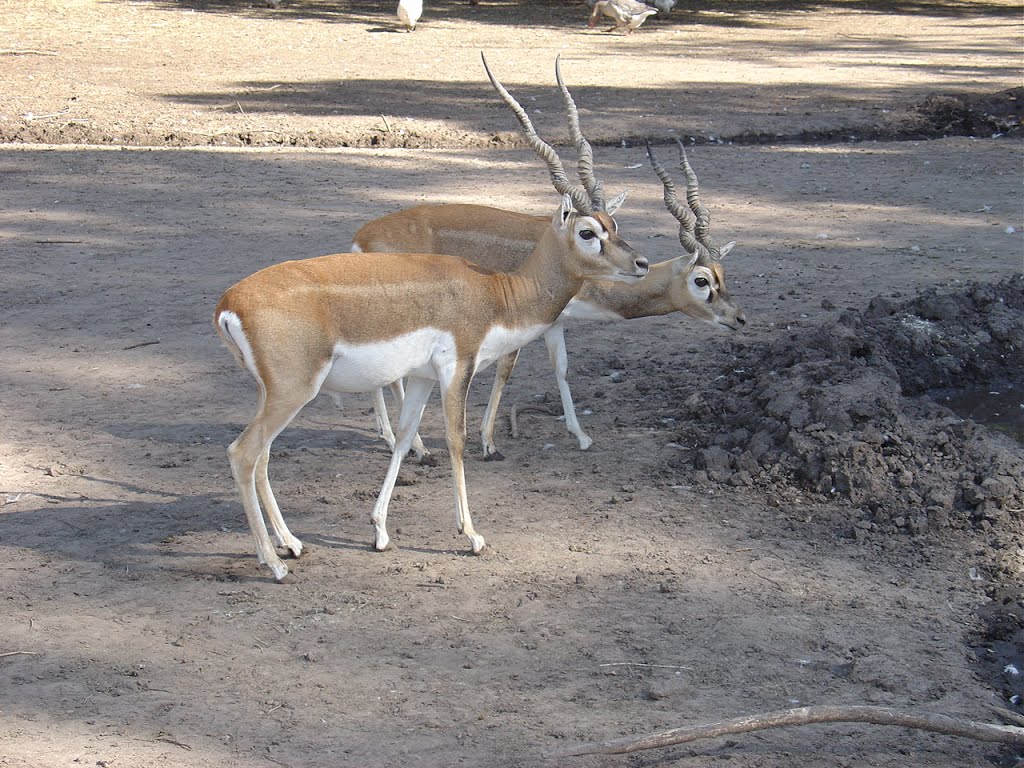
<point x="610" y="113"/>
<point x="558" y="13"/>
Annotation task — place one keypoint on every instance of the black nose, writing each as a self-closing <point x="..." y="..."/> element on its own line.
<point x="642" y="265"/>
<point x="741" y="319"/>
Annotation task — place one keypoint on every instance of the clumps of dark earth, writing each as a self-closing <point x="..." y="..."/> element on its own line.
<point x="853" y="410"/>
<point x="988" y="115"/>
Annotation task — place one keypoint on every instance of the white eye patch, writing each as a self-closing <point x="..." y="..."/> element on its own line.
<point x="590" y="233"/>
<point x="701" y="283"/>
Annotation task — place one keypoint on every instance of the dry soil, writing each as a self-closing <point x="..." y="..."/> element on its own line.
<point x="777" y="517"/>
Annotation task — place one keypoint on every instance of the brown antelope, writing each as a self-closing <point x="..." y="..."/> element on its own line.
<point x="348" y="323"/>
<point x="693" y="284"/>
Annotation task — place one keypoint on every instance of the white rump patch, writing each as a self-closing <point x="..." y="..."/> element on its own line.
<point x="231" y="326"/>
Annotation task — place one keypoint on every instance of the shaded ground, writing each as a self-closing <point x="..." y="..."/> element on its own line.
<point x="766" y="518"/>
<point x="326" y="74"/>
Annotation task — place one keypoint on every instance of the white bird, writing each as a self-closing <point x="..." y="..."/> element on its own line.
<point x="409" y="12"/>
<point x="626" y="13"/>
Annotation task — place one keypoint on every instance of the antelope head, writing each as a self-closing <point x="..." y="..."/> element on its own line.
<point x="700" y="270"/>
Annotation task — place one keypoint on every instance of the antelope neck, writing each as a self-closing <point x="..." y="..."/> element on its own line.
<point x="645" y="298"/>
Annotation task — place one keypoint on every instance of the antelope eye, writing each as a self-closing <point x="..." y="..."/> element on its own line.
<point x="701" y="282"/>
<point x="587" y="234"/>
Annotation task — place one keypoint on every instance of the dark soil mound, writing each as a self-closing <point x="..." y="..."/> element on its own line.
<point x="985" y="115"/>
<point x="842" y="410"/>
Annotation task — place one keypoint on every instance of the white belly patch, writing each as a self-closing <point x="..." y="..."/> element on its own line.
<point x="499" y="341"/>
<point x="365" y="367"/>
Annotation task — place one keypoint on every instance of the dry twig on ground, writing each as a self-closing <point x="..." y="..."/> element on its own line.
<point x="26" y="52"/>
<point x="516" y="411"/>
<point x="1004" y="734"/>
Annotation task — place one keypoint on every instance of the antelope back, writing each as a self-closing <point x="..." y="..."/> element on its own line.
<point x="495" y="239"/>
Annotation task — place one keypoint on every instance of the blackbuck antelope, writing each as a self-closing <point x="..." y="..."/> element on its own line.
<point x="500" y="240"/>
<point x="349" y="323"/>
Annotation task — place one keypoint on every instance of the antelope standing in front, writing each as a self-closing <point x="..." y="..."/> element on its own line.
<point x="348" y="323"/>
<point x="693" y="284"/>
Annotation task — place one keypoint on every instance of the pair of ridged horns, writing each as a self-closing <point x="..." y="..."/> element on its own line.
<point x="694" y="218"/>
<point x="587" y="199"/>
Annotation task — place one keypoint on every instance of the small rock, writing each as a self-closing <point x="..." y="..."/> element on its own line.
<point x="664" y="689"/>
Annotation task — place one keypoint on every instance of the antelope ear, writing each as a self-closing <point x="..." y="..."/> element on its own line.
<point x="615" y="203"/>
<point x="724" y="250"/>
<point x="562" y="214"/>
<point x="683" y="264"/>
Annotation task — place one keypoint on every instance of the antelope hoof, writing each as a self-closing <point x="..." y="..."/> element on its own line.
<point x="382" y="542"/>
<point x="476" y="541"/>
<point x="293" y="546"/>
<point x="585" y="442"/>
<point x="279" y="569"/>
<point x="494" y="456"/>
<point x="428" y="459"/>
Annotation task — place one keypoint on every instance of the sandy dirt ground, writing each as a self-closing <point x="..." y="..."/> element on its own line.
<point x="670" y="575"/>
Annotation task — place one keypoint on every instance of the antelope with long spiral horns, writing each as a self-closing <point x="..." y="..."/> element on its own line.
<point x="349" y="323"/>
<point x="692" y="284"/>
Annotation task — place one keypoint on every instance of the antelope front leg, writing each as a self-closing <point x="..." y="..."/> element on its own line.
<point x="554" y="338"/>
<point x="453" y="400"/>
<point x="398" y="392"/>
<point x="502" y="372"/>
<point x="412" y="411"/>
<point x="380" y="411"/>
